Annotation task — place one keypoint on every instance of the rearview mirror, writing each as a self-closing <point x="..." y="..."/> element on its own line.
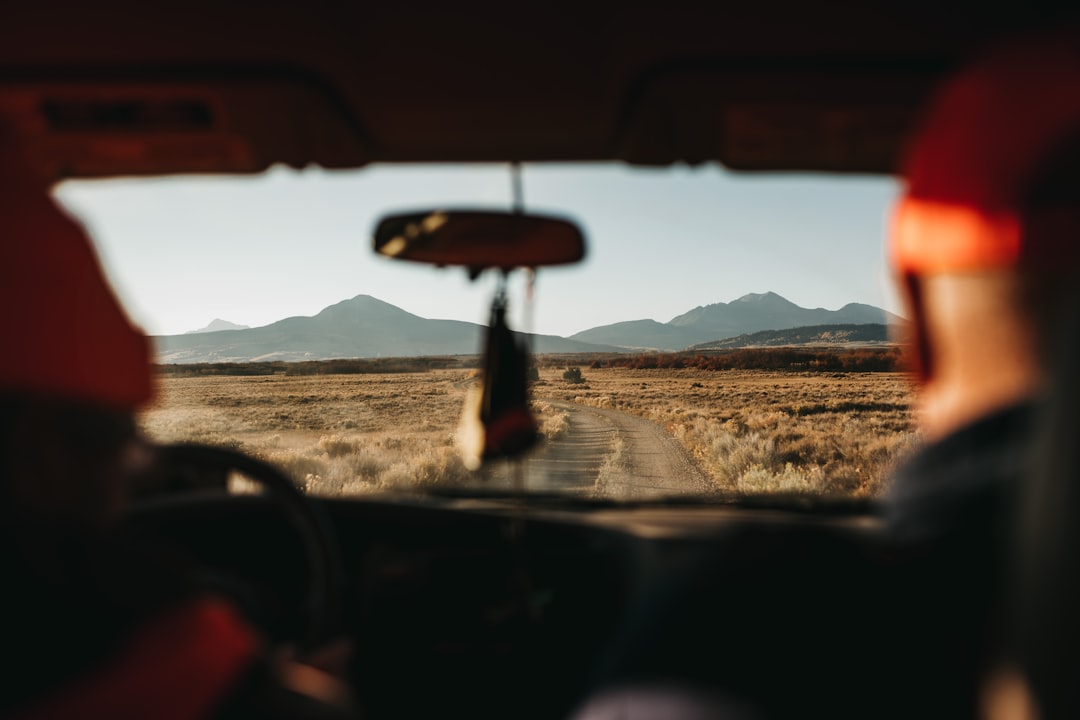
<point x="480" y="239"/>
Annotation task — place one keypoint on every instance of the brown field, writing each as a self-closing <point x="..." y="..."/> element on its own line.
<point x="767" y="431"/>
<point x="752" y="431"/>
<point x="337" y="434"/>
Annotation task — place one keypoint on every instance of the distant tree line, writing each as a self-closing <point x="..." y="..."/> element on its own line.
<point x="887" y="359"/>
<point x="862" y="360"/>
<point x="355" y="366"/>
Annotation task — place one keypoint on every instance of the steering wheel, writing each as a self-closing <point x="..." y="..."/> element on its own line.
<point x="182" y="468"/>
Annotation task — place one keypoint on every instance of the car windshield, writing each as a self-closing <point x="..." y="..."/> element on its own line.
<point x="725" y="335"/>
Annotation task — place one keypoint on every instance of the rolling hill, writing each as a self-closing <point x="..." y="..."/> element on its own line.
<point x="217" y="325"/>
<point x="816" y="335"/>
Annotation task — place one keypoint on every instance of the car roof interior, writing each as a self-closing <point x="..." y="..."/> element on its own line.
<point x="124" y="88"/>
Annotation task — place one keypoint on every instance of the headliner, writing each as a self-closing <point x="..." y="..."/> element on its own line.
<point x="125" y="87"/>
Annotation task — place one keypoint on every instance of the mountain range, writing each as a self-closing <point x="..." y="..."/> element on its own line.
<point x="362" y="327"/>
<point x="748" y="314"/>
<point x="366" y="327"/>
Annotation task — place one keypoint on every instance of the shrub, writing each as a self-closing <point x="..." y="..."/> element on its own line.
<point x="573" y="376"/>
<point x="336" y="446"/>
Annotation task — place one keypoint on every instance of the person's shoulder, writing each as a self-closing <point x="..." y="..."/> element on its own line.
<point x="961" y="480"/>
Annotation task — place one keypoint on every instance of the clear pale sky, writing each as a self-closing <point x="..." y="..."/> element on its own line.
<point x="252" y="250"/>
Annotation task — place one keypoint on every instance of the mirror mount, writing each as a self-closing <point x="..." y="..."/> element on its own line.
<point x="517" y="188"/>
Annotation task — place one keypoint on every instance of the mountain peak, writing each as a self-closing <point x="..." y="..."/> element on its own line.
<point x="765" y="297"/>
<point x="363" y="304"/>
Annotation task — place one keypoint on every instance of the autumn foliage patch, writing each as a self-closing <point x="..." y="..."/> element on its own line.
<point x="863" y="360"/>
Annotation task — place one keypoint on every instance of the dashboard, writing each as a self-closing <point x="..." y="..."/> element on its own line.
<point x="489" y="607"/>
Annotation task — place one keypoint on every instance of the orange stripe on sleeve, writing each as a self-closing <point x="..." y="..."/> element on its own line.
<point x="180" y="666"/>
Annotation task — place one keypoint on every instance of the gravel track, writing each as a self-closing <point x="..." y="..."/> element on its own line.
<point x="608" y="453"/>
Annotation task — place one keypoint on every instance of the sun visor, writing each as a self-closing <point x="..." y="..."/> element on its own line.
<point x="213" y="125"/>
<point x="827" y="119"/>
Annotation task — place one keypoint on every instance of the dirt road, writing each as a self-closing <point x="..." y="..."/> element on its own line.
<point x="608" y="453"/>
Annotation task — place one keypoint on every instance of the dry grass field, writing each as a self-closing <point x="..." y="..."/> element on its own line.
<point x="758" y="431"/>
<point x="752" y="431"/>
<point x="338" y="434"/>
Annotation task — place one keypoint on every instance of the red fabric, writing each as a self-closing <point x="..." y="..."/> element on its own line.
<point x="510" y="433"/>
<point x="180" y="666"/>
<point x="65" y="334"/>
<point x="988" y="132"/>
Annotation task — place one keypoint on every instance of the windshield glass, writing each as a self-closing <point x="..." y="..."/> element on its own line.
<point x="725" y="333"/>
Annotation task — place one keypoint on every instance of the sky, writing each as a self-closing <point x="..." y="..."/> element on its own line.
<point x="182" y="251"/>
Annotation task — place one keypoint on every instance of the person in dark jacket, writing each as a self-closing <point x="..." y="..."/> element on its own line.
<point x="986" y="244"/>
<point x="96" y="625"/>
<point x="985" y="241"/>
